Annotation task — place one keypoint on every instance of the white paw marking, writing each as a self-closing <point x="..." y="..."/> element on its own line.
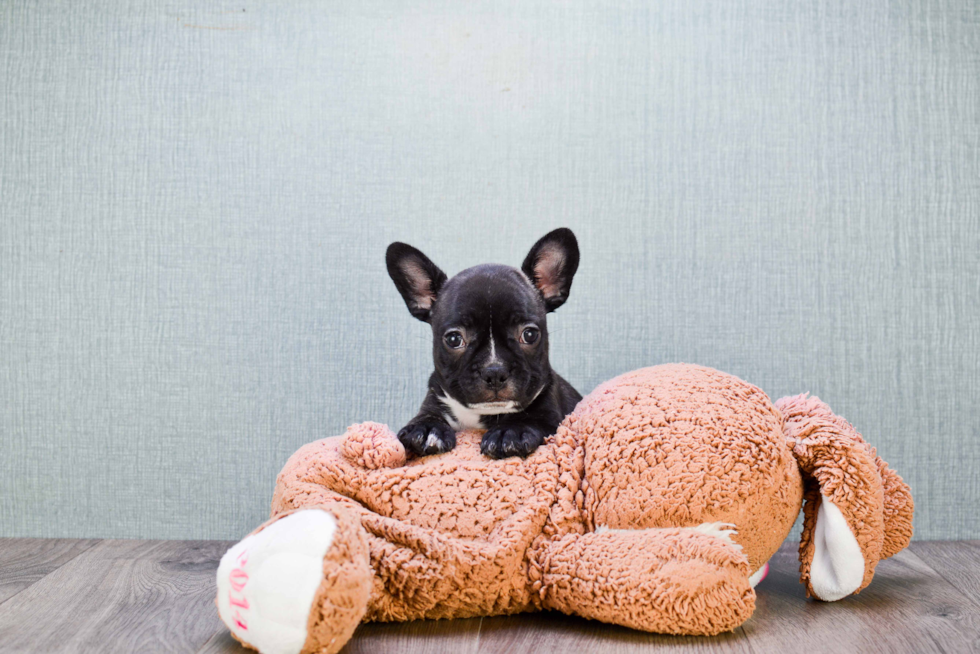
<point x="723" y="530"/>
<point x="758" y="575"/>
<point x="837" y="568"/>
<point x="267" y="582"/>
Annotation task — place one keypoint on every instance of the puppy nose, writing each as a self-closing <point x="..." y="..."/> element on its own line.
<point x="495" y="376"/>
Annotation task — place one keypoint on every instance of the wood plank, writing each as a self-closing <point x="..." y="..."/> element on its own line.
<point x="540" y="633"/>
<point x="23" y="561"/>
<point x="119" y="596"/>
<point x="222" y="643"/>
<point x="957" y="561"/>
<point x="557" y="633"/>
<point x="420" y="637"/>
<point x="907" y="608"/>
<point x="149" y="596"/>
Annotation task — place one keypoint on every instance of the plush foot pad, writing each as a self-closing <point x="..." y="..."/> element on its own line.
<point x="267" y="582"/>
<point x="725" y="531"/>
<point x="756" y="577"/>
<point x="722" y="530"/>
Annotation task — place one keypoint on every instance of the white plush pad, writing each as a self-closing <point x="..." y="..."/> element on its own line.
<point x="267" y="582"/>
<point x="838" y="566"/>
<point x="722" y="530"/>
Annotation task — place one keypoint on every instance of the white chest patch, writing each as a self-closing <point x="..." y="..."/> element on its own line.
<point x="468" y="417"/>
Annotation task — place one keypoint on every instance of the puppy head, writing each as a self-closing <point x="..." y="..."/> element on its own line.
<point x="489" y="322"/>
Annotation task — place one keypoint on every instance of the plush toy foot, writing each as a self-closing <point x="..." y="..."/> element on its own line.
<point x="673" y="581"/>
<point x="297" y="584"/>
<point x="726" y="531"/>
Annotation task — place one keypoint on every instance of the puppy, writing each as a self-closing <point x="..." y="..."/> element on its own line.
<point x="490" y="347"/>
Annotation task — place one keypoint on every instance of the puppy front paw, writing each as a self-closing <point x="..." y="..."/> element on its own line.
<point x="503" y="441"/>
<point x="427" y="437"/>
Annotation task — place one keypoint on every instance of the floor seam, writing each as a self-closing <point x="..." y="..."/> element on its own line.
<point x="95" y="543"/>
<point x="744" y="638"/>
<point x="949" y="581"/>
<point x="208" y="640"/>
<point x="479" y="632"/>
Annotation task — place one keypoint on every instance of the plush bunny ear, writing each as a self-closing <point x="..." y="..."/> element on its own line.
<point x="837" y="565"/>
<point x="844" y="519"/>
<point x="551" y="264"/>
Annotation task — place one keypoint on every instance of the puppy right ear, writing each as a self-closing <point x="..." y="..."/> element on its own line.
<point x="551" y="264"/>
<point x="416" y="278"/>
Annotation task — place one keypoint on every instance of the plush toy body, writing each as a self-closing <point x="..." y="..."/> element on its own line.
<point x="655" y="506"/>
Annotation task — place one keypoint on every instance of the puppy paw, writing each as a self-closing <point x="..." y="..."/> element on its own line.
<point x="427" y="437"/>
<point x="503" y="441"/>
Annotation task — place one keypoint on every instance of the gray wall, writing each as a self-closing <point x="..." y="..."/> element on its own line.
<point x="194" y="207"/>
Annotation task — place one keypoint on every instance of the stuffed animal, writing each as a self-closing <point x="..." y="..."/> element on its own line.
<point x="656" y="506"/>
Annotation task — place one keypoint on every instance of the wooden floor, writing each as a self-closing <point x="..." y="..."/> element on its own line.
<point x="157" y="596"/>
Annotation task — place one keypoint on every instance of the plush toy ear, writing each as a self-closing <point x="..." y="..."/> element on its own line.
<point x="844" y="522"/>
<point x="416" y="278"/>
<point x="837" y="564"/>
<point x="551" y="264"/>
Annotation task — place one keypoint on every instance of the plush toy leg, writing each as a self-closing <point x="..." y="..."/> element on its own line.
<point x="857" y="511"/>
<point x="299" y="583"/>
<point x="417" y="572"/>
<point x="676" y="581"/>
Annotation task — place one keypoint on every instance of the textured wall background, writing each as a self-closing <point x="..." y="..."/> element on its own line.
<point x="194" y="206"/>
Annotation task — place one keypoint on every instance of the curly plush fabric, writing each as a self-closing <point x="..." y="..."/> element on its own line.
<point x="651" y="507"/>
<point x="848" y="472"/>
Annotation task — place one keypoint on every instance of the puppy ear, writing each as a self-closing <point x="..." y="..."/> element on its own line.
<point x="416" y="278"/>
<point x="551" y="264"/>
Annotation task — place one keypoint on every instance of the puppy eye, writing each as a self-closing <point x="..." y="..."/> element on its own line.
<point x="453" y="340"/>
<point x="530" y="335"/>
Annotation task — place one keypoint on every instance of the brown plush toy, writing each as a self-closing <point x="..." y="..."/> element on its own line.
<point x="655" y="506"/>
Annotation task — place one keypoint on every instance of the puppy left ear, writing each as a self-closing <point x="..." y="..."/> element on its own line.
<point x="551" y="264"/>
<point x="416" y="278"/>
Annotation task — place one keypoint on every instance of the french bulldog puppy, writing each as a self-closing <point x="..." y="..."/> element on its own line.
<point x="490" y="347"/>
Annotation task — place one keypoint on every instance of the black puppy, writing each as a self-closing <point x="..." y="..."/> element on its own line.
<point x="490" y="346"/>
